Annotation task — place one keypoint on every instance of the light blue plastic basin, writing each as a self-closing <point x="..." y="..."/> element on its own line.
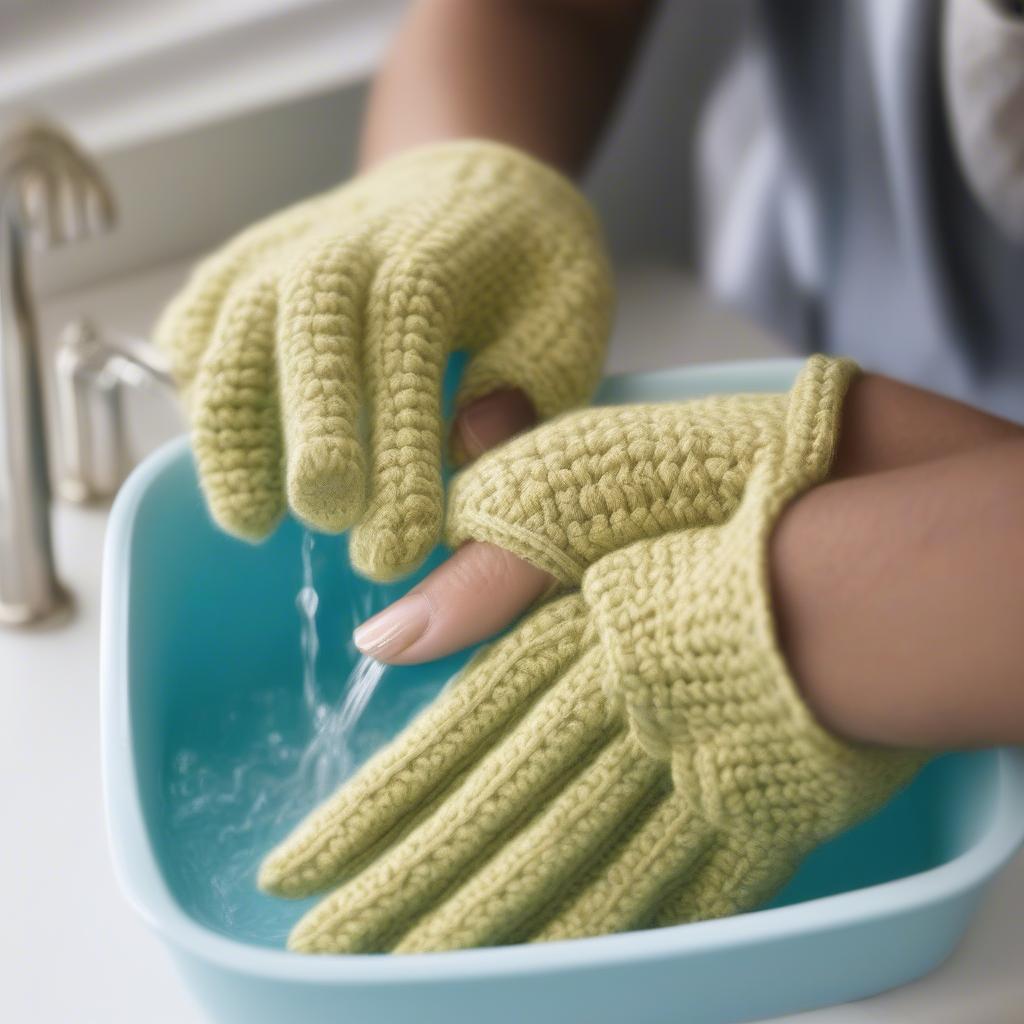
<point x="191" y="619"/>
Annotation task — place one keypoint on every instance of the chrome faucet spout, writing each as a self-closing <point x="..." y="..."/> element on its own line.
<point x="50" y="193"/>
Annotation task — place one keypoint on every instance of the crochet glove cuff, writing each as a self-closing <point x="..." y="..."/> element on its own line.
<point x="687" y="628"/>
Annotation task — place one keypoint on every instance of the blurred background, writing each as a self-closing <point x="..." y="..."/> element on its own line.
<point x="207" y="114"/>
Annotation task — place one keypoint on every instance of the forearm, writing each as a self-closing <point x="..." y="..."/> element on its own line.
<point x="899" y="600"/>
<point x="888" y="425"/>
<point x="539" y="75"/>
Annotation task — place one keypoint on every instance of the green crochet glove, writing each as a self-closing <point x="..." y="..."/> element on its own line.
<point x="630" y="755"/>
<point x="466" y="828"/>
<point x="350" y="303"/>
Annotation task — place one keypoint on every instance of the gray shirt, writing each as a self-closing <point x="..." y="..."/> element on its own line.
<point x="837" y="212"/>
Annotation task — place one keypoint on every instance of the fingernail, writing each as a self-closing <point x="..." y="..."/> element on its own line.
<point x="393" y="630"/>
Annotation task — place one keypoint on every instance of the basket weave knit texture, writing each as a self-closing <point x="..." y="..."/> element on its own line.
<point x="344" y="308"/>
<point x="634" y="752"/>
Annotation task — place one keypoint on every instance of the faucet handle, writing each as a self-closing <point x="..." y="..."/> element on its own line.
<point x="55" y="191"/>
<point x="93" y="369"/>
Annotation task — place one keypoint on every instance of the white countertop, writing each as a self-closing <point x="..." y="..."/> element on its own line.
<point x="75" y="953"/>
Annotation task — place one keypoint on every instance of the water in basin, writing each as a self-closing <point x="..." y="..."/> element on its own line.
<point x="228" y="802"/>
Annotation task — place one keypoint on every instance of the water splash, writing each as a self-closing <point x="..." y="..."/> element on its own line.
<point x="229" y="811"/>
<point x="308" y="601"/>
<point x="328" y="759"/>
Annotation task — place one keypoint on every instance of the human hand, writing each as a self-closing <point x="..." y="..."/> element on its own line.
<point x="887" y="426"/>
<point x="349" y="303"/>
<point x="547" y="505"/>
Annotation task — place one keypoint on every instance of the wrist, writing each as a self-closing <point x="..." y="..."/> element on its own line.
<point x="897" y="601"/>
<point x="889" y="425"/>
<point x="806" y="583"/>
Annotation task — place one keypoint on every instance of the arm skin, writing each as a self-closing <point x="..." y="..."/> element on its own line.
<point x="899" y="601"/>
<point x="898" y="585"/>
<point x="541" y="75"/>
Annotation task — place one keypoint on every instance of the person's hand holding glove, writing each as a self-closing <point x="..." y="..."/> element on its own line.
<point x="632" y="753"/>
<point x="347" y="305"/>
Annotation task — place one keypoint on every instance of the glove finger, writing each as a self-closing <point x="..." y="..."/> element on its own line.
<point x="543" y="323"/>
<point x="319" y="334"/>
<point x="624" y="890"/>
<point x="186" y="327"/>
<point x="556" y="739"/>
<point x="409" y="324"/>
<point x="405" y="781"/>
<point x="526" y="876"/>
<point x="738" y="876"/>
<point x="236" y="428"/>
<point x="551" y="344"/>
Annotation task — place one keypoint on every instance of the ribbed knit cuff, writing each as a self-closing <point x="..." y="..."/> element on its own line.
<point x="813" y="415"/>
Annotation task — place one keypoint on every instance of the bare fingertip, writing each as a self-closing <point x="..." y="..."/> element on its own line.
<point x="390" y="632"/>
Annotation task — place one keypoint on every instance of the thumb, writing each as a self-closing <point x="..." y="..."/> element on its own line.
<point x="486" y="422"/>
<point x="474" y="594"/>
